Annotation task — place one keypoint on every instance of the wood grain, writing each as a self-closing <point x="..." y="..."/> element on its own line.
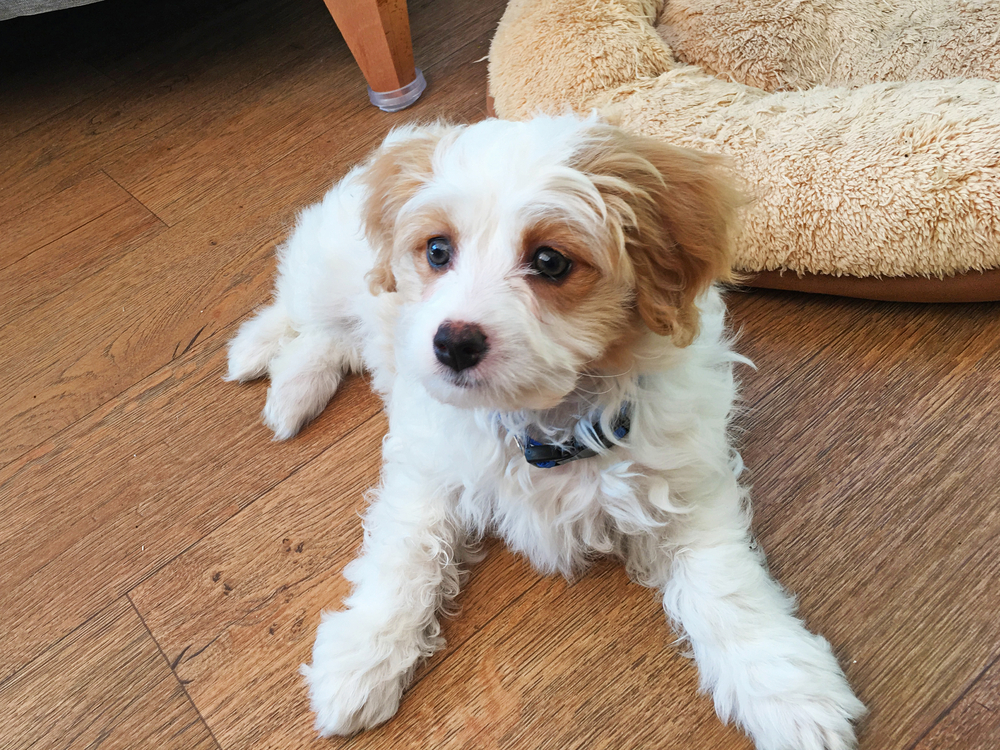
<point x="172" y="76"/>
<point x="588" y="665"/>
<point x="237" y="612"/>
<point x="279" y="113"/>
<point x="106" y="685"/>
<point x="171" y="170"/>
<point x="133" y="319"/>
<point x="35" y="89"/>
<point x="171" y="463"/>
<point x="56" y="267"/>
<point x="884" y="525"/>
<point x="127" y="465"/>
<point x="57" y="216"/>
<point x="973" y="722"/>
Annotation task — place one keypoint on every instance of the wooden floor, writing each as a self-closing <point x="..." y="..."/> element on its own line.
<point x="163" y="564"/>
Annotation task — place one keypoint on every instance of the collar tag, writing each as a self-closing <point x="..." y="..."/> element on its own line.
<point x="547" y="456"/>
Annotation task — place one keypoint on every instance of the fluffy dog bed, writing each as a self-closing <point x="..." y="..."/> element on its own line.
<point x="867" y="134"/>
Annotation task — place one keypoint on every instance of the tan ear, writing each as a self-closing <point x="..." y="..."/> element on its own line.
<point x="392" y="176"/>
<point x="674" y="210"/>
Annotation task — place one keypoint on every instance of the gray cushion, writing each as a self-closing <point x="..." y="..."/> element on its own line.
<point x="12" y="8"/>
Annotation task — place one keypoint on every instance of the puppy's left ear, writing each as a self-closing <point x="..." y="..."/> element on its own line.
<point x="393" y="174"/>
<point x="674" y="210"/>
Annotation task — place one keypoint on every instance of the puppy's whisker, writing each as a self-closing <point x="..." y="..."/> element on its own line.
<point x="617" y="376"/>
<point x="594" y="393"/>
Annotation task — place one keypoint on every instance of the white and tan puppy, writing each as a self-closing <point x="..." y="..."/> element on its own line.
<point x="535" y="303"/>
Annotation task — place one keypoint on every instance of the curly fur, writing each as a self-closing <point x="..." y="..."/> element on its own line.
<point x="646" y="228"/>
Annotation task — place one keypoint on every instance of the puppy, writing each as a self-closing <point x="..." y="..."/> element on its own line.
<point x="535" y="304"/>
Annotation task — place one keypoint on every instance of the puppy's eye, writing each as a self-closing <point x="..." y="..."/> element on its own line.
<point x="438" y="252"/>
<point x="550" y="263"/>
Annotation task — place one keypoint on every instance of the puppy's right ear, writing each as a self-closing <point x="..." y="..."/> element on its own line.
<point x="392" y="176"/>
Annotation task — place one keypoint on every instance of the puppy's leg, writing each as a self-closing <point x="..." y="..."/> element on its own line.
<point x="364" y="656"/>
<point x="304" y="376"/>
<point x="309" y="336"/>
<point x="780" y="682"/>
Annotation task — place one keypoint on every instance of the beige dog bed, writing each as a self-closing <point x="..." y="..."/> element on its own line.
<point x="867" y="134"/>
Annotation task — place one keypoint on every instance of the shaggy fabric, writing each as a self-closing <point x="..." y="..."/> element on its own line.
<point x="792" y="44"/>
<point x="847" y="176"/>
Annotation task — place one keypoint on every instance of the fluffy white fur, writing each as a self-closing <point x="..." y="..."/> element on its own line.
<point x="665" y="499"/>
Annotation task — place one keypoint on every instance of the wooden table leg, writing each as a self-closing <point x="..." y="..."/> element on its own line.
<point x="378" y="34"/>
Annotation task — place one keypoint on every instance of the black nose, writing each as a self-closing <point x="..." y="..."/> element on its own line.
<point x="459" y="345"/>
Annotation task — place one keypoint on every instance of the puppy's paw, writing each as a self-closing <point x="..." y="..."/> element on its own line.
<point x="258" y="341"/>
<point x="346" y="702"/>
<point x="816" y="721"/>
<point x="293" y="401"/>
<point x="354" y="683"/>
<point x="304" y="377"/>
<point x="796" y="701"/>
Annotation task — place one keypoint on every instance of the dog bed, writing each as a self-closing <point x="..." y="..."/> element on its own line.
<point x="867" y="135"/>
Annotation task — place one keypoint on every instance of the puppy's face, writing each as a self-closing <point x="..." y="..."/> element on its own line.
<point x="529" y="254"/>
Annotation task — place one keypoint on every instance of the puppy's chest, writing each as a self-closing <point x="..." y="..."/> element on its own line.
<point x="555" y="514"/>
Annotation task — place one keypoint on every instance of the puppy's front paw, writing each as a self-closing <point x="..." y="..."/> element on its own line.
<point x="349" y="700"/>
<point x="291" y="402"/>
<point x="354" y="683"/>
<point x="796" y="701"/>
<point x="813" y="721"/>
<point x="304" y="378"/>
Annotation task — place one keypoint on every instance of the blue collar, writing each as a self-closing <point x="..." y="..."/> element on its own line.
<point x="548" y="455"/>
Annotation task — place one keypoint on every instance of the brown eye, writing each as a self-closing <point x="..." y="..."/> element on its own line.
<point x="550" y="263"/>
<point x="438" y="252"/>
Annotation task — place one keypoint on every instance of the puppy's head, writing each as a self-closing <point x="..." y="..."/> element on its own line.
<point x="528" y="254"/>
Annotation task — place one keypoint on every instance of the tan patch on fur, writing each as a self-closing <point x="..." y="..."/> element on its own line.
<point x="434" y="223"/>
<point x="673" y="210"/>
<point x="598" y="301"/>
<point x="566" y="294"/>
<point x="392" y="177"/>
<point x="619" y="356"/>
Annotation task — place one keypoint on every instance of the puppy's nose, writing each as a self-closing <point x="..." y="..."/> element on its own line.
<point x="459" y="345"/>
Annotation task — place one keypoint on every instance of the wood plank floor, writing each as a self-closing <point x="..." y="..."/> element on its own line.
<point x="163" y="563"/>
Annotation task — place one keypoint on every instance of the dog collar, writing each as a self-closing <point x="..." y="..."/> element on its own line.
<point x="548" y="455"/>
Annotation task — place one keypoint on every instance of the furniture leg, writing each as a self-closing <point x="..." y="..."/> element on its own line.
<point x="378" y="34"/>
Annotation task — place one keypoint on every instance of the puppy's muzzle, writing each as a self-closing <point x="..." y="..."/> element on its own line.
<point x="460" y="345"/>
